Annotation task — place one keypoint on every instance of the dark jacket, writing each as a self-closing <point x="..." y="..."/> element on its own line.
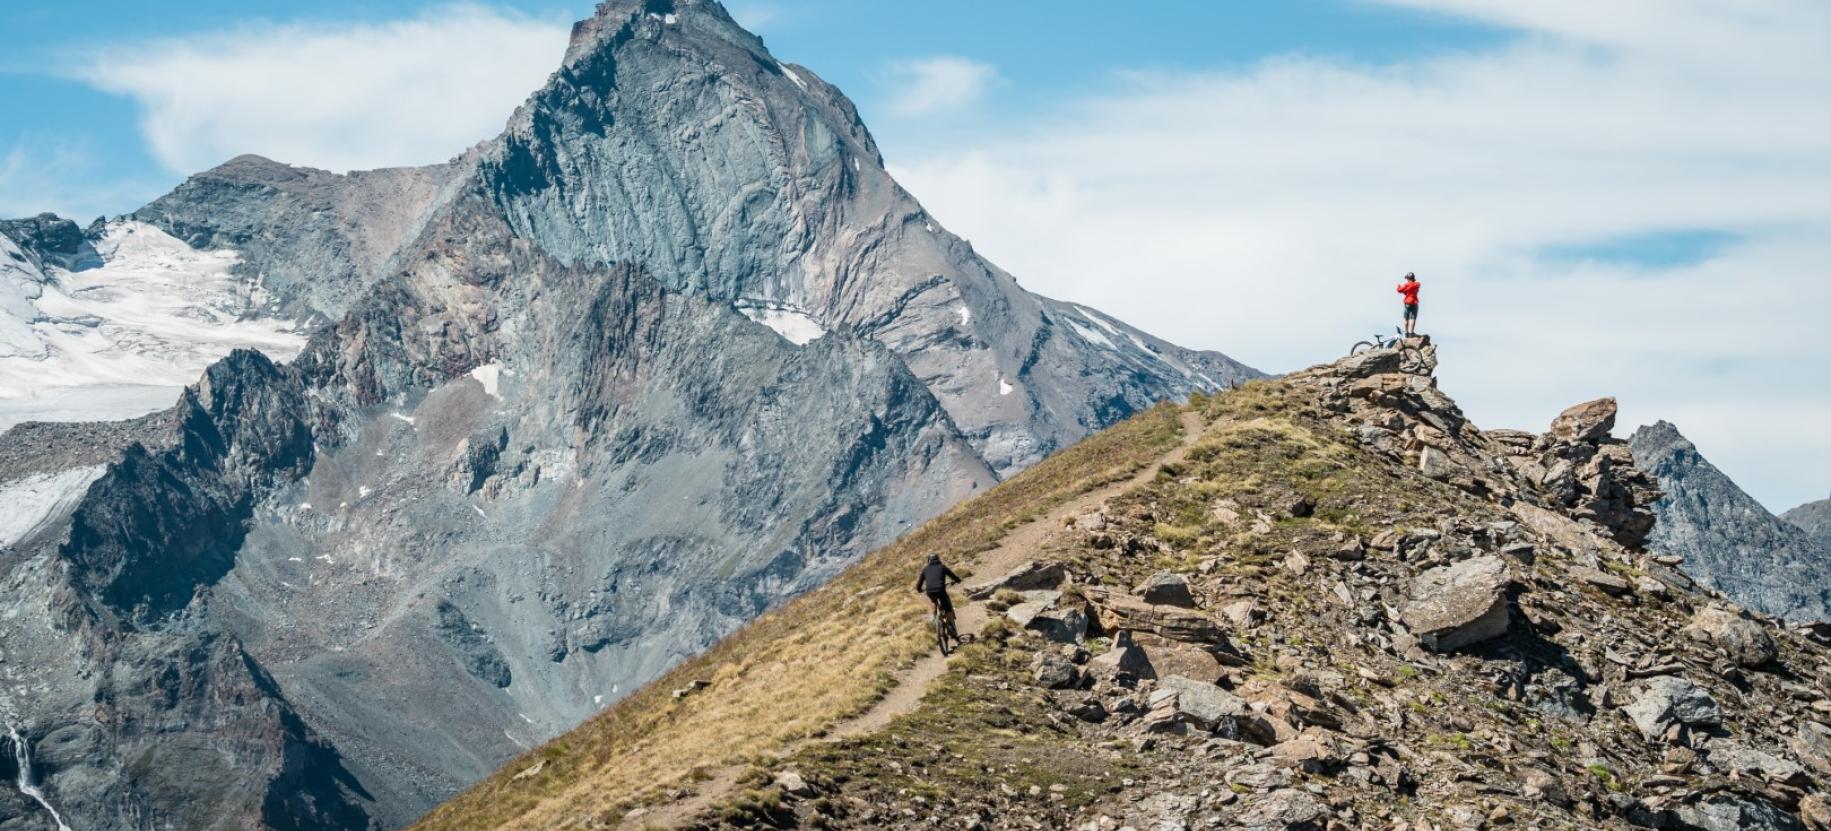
<point x="935" y="577"/>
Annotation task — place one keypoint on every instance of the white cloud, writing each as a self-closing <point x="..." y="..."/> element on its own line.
<point x="1268" y="211"/>
<point x="938" y="84"/>
<point x="754" y="16"/>
<point x="337" y="96"/>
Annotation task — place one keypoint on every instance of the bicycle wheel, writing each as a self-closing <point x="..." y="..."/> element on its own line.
<point x="941" y="632"/>
<point x="1361" y="347"/>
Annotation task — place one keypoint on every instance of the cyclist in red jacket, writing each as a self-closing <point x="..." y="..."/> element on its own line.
<point x="1409" y="289"/>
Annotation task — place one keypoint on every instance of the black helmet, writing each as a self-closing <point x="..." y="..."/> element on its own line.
<point x="1410" y="276"/>
<point x="934" y="558"/>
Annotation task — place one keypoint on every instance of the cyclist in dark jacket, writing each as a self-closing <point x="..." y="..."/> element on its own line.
<point x="934" y="580"/>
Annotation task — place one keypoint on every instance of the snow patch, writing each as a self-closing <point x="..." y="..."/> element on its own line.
<point x="34" y="502"/>
<point x="480" y="512"/>
<point x="402" y="416"/>
<point x="122" y="339"/>
<point x="792" y="76"/>
<point x="855" y="166"/>
<point x="363" y="491"/>
<point x="1090" y="334"/>
<point x="966" y="315"/>
<point x="1004" y="387"/>
<point x="490" y="376"/>
<point x="791" y="322"/>
<point x="1097" y="319"/>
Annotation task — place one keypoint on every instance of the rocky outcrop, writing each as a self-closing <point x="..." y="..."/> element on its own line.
<point x="1580" y="466"/>
<point x="1727" y="540"/>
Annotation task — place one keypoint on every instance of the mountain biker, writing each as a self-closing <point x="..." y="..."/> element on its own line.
<point x="933" y="581"/>
<point x="1409" y="291"/>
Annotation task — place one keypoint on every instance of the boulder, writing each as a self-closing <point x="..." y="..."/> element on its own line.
<point x="1460" y="604"/>
<point x="1812" y="744"/>
<point x="1313" y="750"/>
<point x="1732" y="812"/>
<point x="1052" y="671"/>
<point x="1030" y="576"/>
<point x="1541" y="784"/>
<point x="1043" y="615"/>
<point x="1435" y="464"/>
<point x="1167" y="589"/>
<point x="1116" y="612"/>
<point x="1168" y="657"/>
<point x="1667" y="700"/>
<point x="1244" y="614"/>
<point x="1060" y="625"/>
<point x="1743" y="640"/>
<point x="1608" y="583"/>
<point x="1205" y="705"/>
<point x="1122" y="661"/>
<point x="793" y="784"/>
<point x="1740" y="760"/>
<point x="1587" y="422"/>
<point x="1815" y="813"/>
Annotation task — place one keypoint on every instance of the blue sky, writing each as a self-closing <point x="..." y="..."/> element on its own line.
<point x="1044" y="50"/>
<point x="1603" y="199"/>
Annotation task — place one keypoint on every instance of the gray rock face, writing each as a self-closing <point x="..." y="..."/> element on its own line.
<point x="674" y="139"/>
<point x="1729" y="542"/>
<point x="539" y="449"/>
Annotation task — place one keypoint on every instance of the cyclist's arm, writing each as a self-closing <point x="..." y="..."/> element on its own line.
<point x="919" y="579"/>
<point x="952" y="576"/>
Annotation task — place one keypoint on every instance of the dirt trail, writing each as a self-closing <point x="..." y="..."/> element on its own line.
<point x="1023" y="543"/>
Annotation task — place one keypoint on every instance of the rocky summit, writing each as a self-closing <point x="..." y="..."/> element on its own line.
<point x="1724" y="538"/>
<point x="1323" y="602"/>
<point x="499" y="440"/>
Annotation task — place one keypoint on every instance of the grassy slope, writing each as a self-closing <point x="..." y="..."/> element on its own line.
<point x="985" y="736"/>
<point x="792" y="673"/>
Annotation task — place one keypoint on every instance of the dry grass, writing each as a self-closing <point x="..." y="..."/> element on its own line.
<point x="793" y="673"/>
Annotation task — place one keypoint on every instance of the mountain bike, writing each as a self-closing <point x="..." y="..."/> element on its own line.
<point x="1379" y="342"/>
<point x="944" y="629"/>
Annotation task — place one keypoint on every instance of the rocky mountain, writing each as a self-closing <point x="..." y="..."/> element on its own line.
<point x="567" y="410"/>
<point x="1815" y="519"/>
<point x="1323" y="602"/>
<point x="1727" y="539"/>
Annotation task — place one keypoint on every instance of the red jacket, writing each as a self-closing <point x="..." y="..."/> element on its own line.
<point x="1409" y="288"/>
